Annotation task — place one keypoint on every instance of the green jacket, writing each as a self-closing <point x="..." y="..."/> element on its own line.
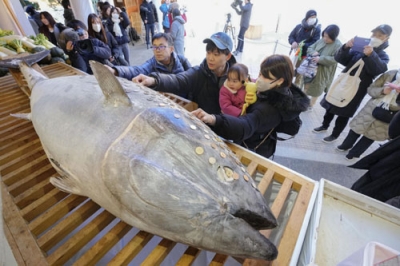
<point x="326" y="66"/>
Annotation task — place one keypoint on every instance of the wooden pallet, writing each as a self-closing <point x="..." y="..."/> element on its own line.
<point x="45" y="226"/>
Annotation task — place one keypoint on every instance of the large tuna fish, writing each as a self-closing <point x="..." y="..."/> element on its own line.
<point x="149" y="162"/>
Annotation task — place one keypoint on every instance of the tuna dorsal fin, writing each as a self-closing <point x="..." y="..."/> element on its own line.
<point x="109" y="84"/>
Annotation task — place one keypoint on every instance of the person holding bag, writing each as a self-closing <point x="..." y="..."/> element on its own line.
<point x="375" y="63"/>
<point x="323" y="52"/>
<point x="383" y="91"/>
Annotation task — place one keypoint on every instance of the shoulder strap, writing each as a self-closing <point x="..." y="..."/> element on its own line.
<point x="359" y="63"/>
<point x="264" y="139"/>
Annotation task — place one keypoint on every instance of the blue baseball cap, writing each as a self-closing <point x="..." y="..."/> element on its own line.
<point x="221" y="40"/>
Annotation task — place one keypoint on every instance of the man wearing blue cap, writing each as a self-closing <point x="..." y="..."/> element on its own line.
<point x="202" y="83"/>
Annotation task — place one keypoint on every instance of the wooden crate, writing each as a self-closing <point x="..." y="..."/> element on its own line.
<point x="45" y="226"/>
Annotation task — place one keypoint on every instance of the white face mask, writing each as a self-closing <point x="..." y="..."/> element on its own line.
<point x="375" y="42"/>
<point x="262" y="85"/>
<point x="115" y="16"/>
<point x="96" y="27"/>
<point x="311" y="21"/>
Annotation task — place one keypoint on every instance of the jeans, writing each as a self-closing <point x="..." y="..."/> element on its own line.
<point x="125" y="51"/>
<point x="340" y="123"/>
<point x="242" y="31"/>
<point x="149" y="29"/>
<point x="361" y="146"/>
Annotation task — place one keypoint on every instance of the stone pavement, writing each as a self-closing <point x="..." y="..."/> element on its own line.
<point x="306" y="153"/>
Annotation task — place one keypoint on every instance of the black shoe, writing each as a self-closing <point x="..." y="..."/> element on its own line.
<point x="319" y="129"/>
<point x="351" y="157"/>
<point x="343" y="148"/>
<point x="329" y="139"/>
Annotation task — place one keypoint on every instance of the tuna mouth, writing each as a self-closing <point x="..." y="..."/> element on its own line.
<point x="256" y="220"/>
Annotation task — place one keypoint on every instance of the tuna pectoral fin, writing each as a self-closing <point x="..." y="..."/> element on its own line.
<point x="109" y="84"/>
<point x="66" y="184"/>
<point x="26" y="116"/>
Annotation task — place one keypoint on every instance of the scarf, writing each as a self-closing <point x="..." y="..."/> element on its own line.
<point x="116" y="27"/>
<point x="389" y="99"/>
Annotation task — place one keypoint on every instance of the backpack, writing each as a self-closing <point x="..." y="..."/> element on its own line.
<point x="290" y="127"/>
<point x="133" y="35"/>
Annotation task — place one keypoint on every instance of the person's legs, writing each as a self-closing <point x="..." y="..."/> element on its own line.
<point x="328" y="117"/>
<point x="152" y="30"/>
<point x="125" y="51"/>
<point x="240" y="45"/>
<point x="147" y="28"/>
<point x="340" y="124"/>
<point x="349" y="141"/>
<point x="361" y="146"/>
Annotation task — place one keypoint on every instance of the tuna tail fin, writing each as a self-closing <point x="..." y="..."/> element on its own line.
<point x="26" y="116"/>
<point x="109" y="84"/>
<point x="31" y="75"/>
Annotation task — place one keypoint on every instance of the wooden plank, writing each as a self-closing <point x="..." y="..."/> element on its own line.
<point x="72" y="246"/>
<point x="266" y="181"/>
<point x="42" y="204"/>
<point x="49" y="239"/>
<point x="188" y="257"/>
<point x="34" y="193"/>
<point x="51" y="216"/>
<point x="294" y="225"/>
<point x="218" y="260"/>
<point x="131" y="249"/>
<point x="94" y="254"/>
<point x="27" y="246"/>
<point x="159" y="252"/>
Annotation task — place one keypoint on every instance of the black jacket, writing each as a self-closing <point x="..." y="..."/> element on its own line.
<point x="148" y="12"/>
<point x="123" y="25"/>
<point x="80" y="60"/>
<point x="382" y="181"/>
<point x="271" y="108"/>
<point x="199" y="83"/>
<point x="374" y="65"/>
<point x="304" y="32"/>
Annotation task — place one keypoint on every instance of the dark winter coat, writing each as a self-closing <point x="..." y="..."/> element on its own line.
<point x="101" y="51"/>
<point x="304" y="32"/>
<point x="180" y="64"/>
<point x="374" y="65"/>
<point x="124" y="23"/>
<point x="148" y="12"/>
<point x="271" y="108"/>
<point x="245" y="12"/>
<point x="199" y="82"/>
<point x="68" y="15"/>
<point x="382" y="181"/>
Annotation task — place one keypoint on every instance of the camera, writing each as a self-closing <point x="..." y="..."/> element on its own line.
<point x="84" y="46"/>
<point x="228" y="17"/>
<point x="236" y="3"/>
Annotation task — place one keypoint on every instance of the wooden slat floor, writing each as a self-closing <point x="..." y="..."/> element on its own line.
<point x="45" y="226"/>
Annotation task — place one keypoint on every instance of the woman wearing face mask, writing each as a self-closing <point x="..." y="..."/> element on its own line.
<point x="277" y="100"/>
<point x="97" y="30"/>
<point x="305" y="33"/>
<point x="375" y="63"/>
<point x="116" y="23"/>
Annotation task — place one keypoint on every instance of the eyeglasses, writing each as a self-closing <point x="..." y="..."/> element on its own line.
<point x="159" y="48"/>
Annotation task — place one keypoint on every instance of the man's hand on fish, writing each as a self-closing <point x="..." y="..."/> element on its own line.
<point x="144" y="80"/>
<point x="205" y="117"/>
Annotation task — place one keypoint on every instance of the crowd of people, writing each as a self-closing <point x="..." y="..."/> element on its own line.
<point x="219" y="84"/>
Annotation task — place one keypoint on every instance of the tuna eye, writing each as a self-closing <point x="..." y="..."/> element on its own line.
<point x="225" y="173"/>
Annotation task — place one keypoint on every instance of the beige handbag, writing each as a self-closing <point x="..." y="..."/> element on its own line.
<point x="344" y="87"/>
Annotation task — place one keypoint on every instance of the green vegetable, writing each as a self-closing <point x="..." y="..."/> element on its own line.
<point x="41" y="39"/>
<point x="56" y="52"/>
<point x="6" y="32"/>
<point x="38" y="49"/>
<point x="17" y="45"/>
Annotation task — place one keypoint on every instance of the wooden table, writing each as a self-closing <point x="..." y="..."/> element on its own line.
<point x="45" y="226"/>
